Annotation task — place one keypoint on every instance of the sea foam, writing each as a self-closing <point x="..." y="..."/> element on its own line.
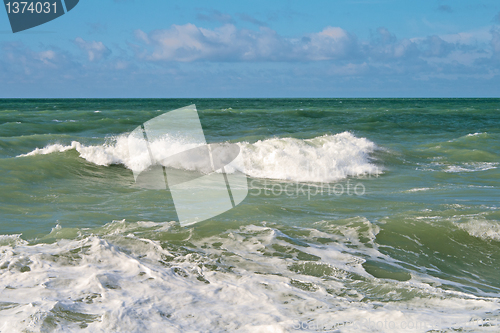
<point x="249" y="279"/>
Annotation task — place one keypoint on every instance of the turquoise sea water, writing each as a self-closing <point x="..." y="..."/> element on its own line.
<point x="390" y="220"/>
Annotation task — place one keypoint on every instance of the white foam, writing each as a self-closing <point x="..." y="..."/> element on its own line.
<point x="477" y="134"/>
<point x="323" y="159"/>
<point x="418" y="189"/>
<point x="11" y="240"/>
<point x="481" y="228"/>
<point x="54" y="148"/>
<point x="472" y="167"/>
<point x="123" y="282"/>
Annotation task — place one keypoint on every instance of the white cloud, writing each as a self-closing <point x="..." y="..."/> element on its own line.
<point x="258" y="61"/>
<point x="384" y="46"/>
<point x="47" y="57"/>
<point x="434" y="46"/>
<point x="95" y="50"/>
<point x="330" y="43"/>
<point x="468" y="37"/>
<point x="187" y="43"/>
<point x="383" y="55"/>
<point x="227" y="43"/>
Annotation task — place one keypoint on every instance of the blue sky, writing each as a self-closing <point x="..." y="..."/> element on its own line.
<point x="316" y="48"/>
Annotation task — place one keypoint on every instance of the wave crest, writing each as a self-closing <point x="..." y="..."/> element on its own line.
<point x="326" y="158"/>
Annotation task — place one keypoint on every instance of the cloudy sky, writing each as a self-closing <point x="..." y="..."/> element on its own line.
<point x="242" y="48"/>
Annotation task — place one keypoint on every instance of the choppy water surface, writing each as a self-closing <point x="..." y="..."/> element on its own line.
<point x="377" y="215"/>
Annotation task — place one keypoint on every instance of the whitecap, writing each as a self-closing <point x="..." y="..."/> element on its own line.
<point x="326" y="158"/>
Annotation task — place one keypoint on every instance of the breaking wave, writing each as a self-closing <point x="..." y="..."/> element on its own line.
<point x="326" y="158"/>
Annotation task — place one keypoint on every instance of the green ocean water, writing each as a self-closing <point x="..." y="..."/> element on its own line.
<point x="391" y="214"/>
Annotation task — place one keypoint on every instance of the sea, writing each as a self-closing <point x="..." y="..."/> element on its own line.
<point x="362" y="215"/>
